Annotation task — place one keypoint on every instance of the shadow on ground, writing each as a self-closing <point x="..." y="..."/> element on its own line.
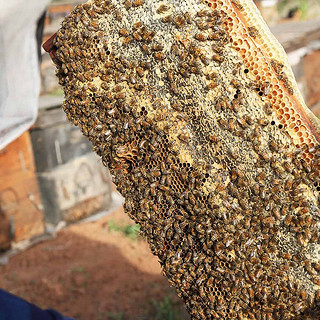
<point x="90" y="272"/>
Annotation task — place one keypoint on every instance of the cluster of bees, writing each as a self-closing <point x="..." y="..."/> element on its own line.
<point x="223" y="197"/>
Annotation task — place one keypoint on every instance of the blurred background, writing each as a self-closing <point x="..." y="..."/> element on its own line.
<point x="65" y="242"/>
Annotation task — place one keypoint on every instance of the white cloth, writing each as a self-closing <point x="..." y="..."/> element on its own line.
<point x="19" y="69"/>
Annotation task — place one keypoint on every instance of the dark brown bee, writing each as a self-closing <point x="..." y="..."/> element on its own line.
<point x="184" y="73"/>
<point x="146" y="49"/>
<point x="139" y="86"/>
<point x="179" y="21"/>
<point x="140" y="71"/>
<point x="175" y="49"/>
<point x="94" y="24"/>
<point x="200" y="37"/>
<point x="235" y="83"/>
<point x="203" y="13"/>
<point x="159" y="56"/>
<point x="266" y="88"/>
<point x="217" y="58"/>
<point x="128" y="4"/>
<point x="254" y="32"/>
<point x="287" y="85"/>
<point x="148" y="35"/>
<point x="204" y="59"/>
<point x="167" y="19"/>
<point x="212" y="76"/>
<point x="212" y="85"/>
<point x="137" y="3"/>
<point x="242" y="123"/>
<point x="249" y="120"/>
<point x="137" y="25"/>
<point x="187" y="16"/>
<point x="92" y="87"/>
<point x="202" y="25"/>
<point x="124" y="32"/>
<point x="263" y="122"/>
<point x="184" y="137"/>
<point x="127" y="40"/>
<point x="145" y="65"/>
<point x="163" y="8"/>
<point x="174" y="88"/>
<point x="177" y="106"/>
<point x="137" y="36"/>
<point x="232" y="153"/>
<point x="157" y="47"/>
<point x="237" y="4"/>
<point x="215" y="36"/>
<point x="118" y="15"/>
<point x="231" y="124"/>
<point x="277" y="66"/>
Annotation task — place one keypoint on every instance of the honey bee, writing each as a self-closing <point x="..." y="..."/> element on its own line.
<point x="211" y="85"/>
<point x="266" y="88"/>
<point x="184" y="137"/>
<point x="139" y="86"/>
<point x="174" y="88"/>
<point x="157" y="47"/>
<point x="203" y="13"/>
<point x="214" y="36"/>
<point x="231" y="124"/>
<point x="200" y="37"/>
<point x="146" y="49"/>
<point x="145" y="65"/>
<point x="217" y="58"/>
<point x="127" y="40"/>
<point x="124" y="32"/>
<point x="237" y="4"/>
<point x="202" y="25"/>
<point x="179" y="21"/>
<point x="187" y="17"/>
<point x="253" y="31"/>
<point x="137" y="3"/>
<point x="204" y="59"/>
<point x="159" y="56"/>
<point x="149" y="35"/>
<point x="175" y="49"/>
<point x="118" y="15"/>
<point x="167" y="19"/>
<point x="128" y="4"/>
<point x="137" y="36"/>
<point x="316" y="280"/>
<point x="286" y="83"/>
<point x="185" y="73"/>
<point x="163" y="8"/>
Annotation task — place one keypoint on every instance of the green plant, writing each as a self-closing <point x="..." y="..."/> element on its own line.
<point x="114" y="316"/>
<point x="166" y="309"/>
<point x="57" y="92"/>
<point x="129" y="230"/>
<point x="77" y="269"/>
<point x="303" y="6"/>
<point x="285" y="5"/>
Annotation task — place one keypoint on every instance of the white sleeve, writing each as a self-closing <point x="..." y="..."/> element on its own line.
<point x="19" y="69"/>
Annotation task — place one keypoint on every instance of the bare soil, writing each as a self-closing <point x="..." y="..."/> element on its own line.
<point x="90" y="272"/>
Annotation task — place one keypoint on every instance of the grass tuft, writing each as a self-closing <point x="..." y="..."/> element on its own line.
<point x="166" y="309"/>
<point x="129" y="230"/>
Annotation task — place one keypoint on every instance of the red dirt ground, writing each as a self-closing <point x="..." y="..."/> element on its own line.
<point x="88" y="272"/>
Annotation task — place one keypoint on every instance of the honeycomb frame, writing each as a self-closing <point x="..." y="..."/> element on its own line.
<point x="193" y="107"/>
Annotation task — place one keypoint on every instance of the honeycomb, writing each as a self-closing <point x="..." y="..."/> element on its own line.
<point x="193" y="107"/>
